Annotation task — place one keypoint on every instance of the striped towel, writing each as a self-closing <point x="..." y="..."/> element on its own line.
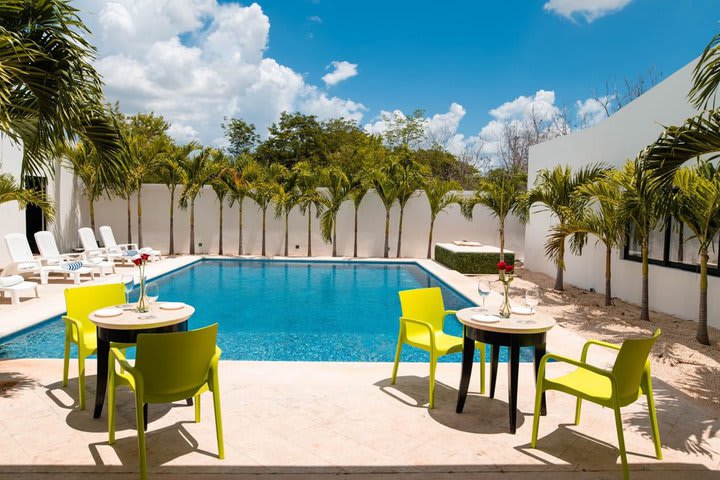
<point x="129" y="253"/>
<point x="71" y="266"/>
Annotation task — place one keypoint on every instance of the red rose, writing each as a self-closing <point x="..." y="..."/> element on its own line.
<point x="144" y="256"/>
<point x="501" y="265"/>
<point x="509" y="268"/>
<point x="137" y="261"/>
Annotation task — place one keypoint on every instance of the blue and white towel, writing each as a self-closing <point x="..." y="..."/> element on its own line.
<point x="71" y="266"/>
<point x="129" y="253"/>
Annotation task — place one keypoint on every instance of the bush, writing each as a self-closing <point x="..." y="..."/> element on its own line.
<point x="471" y="263"/>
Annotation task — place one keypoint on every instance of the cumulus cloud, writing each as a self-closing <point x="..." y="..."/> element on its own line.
<point x="341" y="71"/>
<point x="197" y="61"/>
<point x="591" y="111"/>
<point x="590" y="10"/>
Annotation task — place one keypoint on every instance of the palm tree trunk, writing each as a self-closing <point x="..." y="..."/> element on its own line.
<point x="387" y="233"/>
<point x="399" y="245"/>
<point x="264" y="211"/>
<point x="702" y="331"/>
<point x="608" y="276"/>
<point x="240" y="226"/>
<point x="355" y="233"/>
<point x="129" y="221"/>
<point x="287" y="216"/>
<point x="430" y="236"/>
<point x="501" y="231"/>
<point x="220" y="241"/>
<point x="172" y="220"/>
<point x="139" y="214"/>
<point x="192" y="227"/>
<point x="334" y="239"/>
<point x="309" y="246"/>
<point x="561" y="268"/>
<point x="91" y="209"/>
<point x="645" y="301"/>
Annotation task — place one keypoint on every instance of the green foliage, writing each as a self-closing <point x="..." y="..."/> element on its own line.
<point x="706" y="75"/>
<point x="295" y="138"/>
<point x="471" y="263"/>
<point x="10" y="191"/>
<point x="241" y="135"/>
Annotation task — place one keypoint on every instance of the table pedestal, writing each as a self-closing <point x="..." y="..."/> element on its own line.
<point x="496" y="339"/>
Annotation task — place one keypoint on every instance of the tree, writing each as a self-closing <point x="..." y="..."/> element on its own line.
<point x="241" y="135"/>
<point x="500" y="191"/>
<point x="556" y="190"/>
<point x="246" y="172"/>
<point x="357" y="194"/>
<point x="404" y="131"/>
<point x="264" y="188"/>
<point x="602" y="217"/>
<point x="385" y="187"/>
<point x="221" y="186"/>
<point x="440" y="196"/>
<point x="10" y="191"/>
<point x="285" y="198"/>
<point x="295" y="138"/>
<point x="408" y="177"/>
<point x="200" y="171"/>
<point x="337" y="189"/>
<point x="697" y="205"/>
<point x="171" y="171"/>
<point x="309" y="196"/>
<point x="88" y="166"/>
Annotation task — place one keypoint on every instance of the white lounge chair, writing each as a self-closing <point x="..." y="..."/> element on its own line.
<point x="130" y="249"/>
<point x="14" y="285"/>
<point x="25" y="262"/>
<point x="92" y="251"/>
<point x="51" y="255"/>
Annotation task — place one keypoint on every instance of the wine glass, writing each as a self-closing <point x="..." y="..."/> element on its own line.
<point x="484" y="290"/>
<point x="532" y="297"/>
<point x="129" y="283"/>
<point x="152" y="292"/>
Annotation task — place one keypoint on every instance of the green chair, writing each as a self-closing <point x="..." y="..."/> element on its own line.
<point x="421" y="326"/>
<point x="168" y="367"/>
<point x="616" y="388"/>
<point x="80" y="302"/>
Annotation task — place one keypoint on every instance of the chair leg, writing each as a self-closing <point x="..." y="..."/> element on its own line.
<point x="81" y="377"/>
<point x="621" y="443"/>
<point x="482" y="368"/>
<point x="398" y="351"/>
<point x="197" y="408"/>
<point x="536" y="413"/>
<point x="66" y="361"/>
<point x="218" y="422"/>
<point x="433" y="366"/>
<point x="140" y="422"/>
<point x="653" y="419"/>
<point x="578" y="407"/>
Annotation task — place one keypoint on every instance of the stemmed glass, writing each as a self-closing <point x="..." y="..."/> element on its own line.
<point x="152" y="292"/>
<point x="484" y="290"/>
<point x="532" y="297"/>
<point x="129" y="283"/>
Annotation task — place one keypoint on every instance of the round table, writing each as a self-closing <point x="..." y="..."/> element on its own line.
<point x="514" y="332"/>
<point x="125" y="328"/>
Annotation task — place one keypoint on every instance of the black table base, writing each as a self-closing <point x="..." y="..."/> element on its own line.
<point x="104" y="337"/>
<point x="496" y="339"/>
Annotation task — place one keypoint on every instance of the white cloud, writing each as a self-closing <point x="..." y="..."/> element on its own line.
<point x="341" y="71"/>
<point x="590" y="10"/>
<point x="591" y="111"/>
<point x="197" y="61"/>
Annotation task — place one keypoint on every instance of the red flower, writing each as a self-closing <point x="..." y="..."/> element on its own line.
<point x="509" y="268"/>
<point x="137" y="261"/>
<point x="501" y="265"/>
<point x="144" y="256"/>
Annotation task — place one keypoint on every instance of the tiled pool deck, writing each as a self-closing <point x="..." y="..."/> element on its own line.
<point x="322" y="420"/>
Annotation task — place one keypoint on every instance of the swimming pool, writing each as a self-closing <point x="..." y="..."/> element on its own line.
<point x="280" y="310"/>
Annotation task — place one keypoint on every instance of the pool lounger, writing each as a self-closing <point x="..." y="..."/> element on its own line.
<point x="14" y="285"/>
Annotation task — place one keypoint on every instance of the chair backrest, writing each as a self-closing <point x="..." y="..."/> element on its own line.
<point x="87" y="238"/>
<point x="82" y="301"/>
<point x="18" y="247"/>
<point x="173" y="363"/>
<point x="107" y="236"/>
<point x="46" y="244"/>
<point x="630" y="364"/>
<point x="424" y="304"/>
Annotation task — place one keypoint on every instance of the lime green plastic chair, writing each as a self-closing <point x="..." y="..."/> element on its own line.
<point x="80" y="302"/>
<point x="421" y="326"/>
<point x="616" y="388"/>
<point x="168" y="367"/>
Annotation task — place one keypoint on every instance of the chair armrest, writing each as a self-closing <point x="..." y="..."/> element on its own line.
<point x="450" y="312"/>
<point x="128" y="373"/>
<point x="599" y="343"/>
<point x="75" y="325"/>
<point x="431" y="330"/>
<point x="577" y="363"/>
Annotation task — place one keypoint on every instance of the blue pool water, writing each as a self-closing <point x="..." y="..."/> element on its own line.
<point x="272" y="310"/>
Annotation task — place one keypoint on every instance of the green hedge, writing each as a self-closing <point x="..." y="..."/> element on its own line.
<point x="471" y="263"/>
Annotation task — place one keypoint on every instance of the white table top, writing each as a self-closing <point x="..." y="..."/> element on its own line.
<point x="519" y="324"/>
<point x="130" y="319"/>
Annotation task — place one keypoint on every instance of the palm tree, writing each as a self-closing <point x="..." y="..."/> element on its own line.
<point x="49" y="91"/>
<point x="307" y="183"/>
<point x="285" y="198"/>
<point x="199" y="171"/>
<point x="144" y="158"/>
<point x="264" y="189"/>
<point x="221" y="186"/>
<point x="385" y="187"/>
<point x="601" y="218"/>
<point x="87" y="165"/>
<point x="337" y="189"/>
<point x="124" y="187"/>
<point x="697" y="205"/>
<point x="440" y="196"/>
<point x="172" y="170"/>
<point x="555" y="189"/>
<point x="406" y="175"/>
<point x="500" y="192"/>
<point x="246" y="171"/>
<point x="10" y="191"/>
<point x="362" y="186"/>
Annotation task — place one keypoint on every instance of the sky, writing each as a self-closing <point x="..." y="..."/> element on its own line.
<point x="470" y="65"/>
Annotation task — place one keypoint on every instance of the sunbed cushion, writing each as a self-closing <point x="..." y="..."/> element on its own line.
<point x="129" y="253"/>
<point x="11" y="280"/>
<point x="71" y="266"/>
<point x="27" y="266"/>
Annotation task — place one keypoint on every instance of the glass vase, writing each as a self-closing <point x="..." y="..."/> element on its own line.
<point x="143" y="305"/>
<point x="505" y="307"/>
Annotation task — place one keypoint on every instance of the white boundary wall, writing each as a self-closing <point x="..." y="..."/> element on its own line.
<point x="613" y="141"/>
